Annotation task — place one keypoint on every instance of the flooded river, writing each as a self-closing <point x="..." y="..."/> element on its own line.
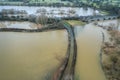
<point x="89" y="43"/>
<point x="31" y="56"/>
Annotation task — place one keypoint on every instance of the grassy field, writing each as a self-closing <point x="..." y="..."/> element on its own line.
<point x="34" y="2"/>
<point x="11" y="3"/>
<point x="75" y="22"/>
<point x="104" y="13"/>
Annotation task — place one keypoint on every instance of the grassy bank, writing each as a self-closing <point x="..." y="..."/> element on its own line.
<point x="75" y="22"/>
<point x="104" y="12"/>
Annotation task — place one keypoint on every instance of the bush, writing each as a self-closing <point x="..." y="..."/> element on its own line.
<point x="32" y="18"/>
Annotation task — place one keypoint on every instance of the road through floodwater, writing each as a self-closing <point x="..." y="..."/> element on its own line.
<point x="35" y="56"/>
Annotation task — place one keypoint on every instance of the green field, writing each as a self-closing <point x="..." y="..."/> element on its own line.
<point x="33" y="2"/>
<point x="75" y="22"/>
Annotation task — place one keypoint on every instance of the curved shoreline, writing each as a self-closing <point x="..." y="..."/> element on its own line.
<point x="101" y="53"/>
<point x="67" y="68"/>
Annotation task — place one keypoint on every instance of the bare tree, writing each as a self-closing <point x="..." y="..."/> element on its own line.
<point x="42" y="11"/>
<point x="61" y="12"/>
<point x="32" y="18"/>
<point x="42" y="19"/>
<point x="71" y="12"/>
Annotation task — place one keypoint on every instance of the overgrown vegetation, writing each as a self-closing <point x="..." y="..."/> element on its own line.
<point x="111" y="59"/>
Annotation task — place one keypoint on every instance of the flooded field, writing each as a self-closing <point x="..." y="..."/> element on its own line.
<point x="27" y="56"/>
<point x="19" y="25"/>
<point x="55" y="11"/>
<point x="36" y="56"/>
<point x="31" y="56"/>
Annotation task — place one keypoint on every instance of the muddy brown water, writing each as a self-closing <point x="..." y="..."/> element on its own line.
<point x="31" y="56"/>
<point x="89" y="43"/>
<point x="34" y="56"/>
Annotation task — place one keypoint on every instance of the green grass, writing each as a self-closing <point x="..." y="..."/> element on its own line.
<point x="75" y="22"/>
<point x="12" y="3"/>
<point x="104" y="12"/>
<point x="35" y="2"/>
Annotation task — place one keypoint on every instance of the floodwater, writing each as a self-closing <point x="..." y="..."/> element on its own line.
<point x="19" y="25"/>
<point x="31" y="56"/>
<point x="35" y="56"/>
<point x="54" y="10"/>
<point x="89" y="44"/>
<point x="110" y="23"/>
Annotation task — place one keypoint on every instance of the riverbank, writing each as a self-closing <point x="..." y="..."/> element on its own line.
<point x="111" y="56"/>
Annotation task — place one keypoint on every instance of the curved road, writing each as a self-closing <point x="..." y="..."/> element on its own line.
<point x="67" y="68"/>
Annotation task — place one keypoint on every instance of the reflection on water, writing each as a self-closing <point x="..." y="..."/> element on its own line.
<point x="88" y="61"/>
<point x="31" y="56"/>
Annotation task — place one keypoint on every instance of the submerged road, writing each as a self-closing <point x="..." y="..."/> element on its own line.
<point x="67" y="68"/>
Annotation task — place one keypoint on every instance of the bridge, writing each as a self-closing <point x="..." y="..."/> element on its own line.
<point x="26" y="17"/>
<point x="92" y="18"/>
<point x="99" y="18"/>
